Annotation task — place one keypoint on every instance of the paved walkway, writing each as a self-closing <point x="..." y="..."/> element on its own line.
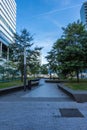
<point x="47" y="90"/>
<point x="39" y="109"/>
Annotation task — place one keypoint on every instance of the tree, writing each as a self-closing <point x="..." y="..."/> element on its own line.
<point x="44" y="69"/>
<point x="71" y="50"/>
<point x="52" y="62"/>
<point x="34" y="60"/>
<point x="24" y="40"/>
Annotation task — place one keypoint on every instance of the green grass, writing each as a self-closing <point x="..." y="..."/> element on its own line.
<point x="10" y="84"/>
<point x="77" y="86"/>
<point x="75" y="80"/>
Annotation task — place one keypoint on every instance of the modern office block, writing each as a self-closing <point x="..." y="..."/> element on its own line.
<point x="83" y="13"/>
<point x="7" y="25"/>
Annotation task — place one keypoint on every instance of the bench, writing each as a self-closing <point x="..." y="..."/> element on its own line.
<point x="32" y="83"/>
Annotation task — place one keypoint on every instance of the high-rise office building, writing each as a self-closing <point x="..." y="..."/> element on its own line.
<point x="83" y="13"/>
<point x="7" y="25"/>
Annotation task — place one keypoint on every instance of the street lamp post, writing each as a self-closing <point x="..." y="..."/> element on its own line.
<point x="24" y="69"/>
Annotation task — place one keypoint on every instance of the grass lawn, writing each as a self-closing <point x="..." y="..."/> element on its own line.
<point x="77" y="86"/>
<point x="10" y="84"/>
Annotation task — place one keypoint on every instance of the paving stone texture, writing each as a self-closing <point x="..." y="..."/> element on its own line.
<point x="39" y="109"/>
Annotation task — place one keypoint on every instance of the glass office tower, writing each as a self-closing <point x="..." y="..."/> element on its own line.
<point x="83" y="13"/>
<point x="7" y="25"/>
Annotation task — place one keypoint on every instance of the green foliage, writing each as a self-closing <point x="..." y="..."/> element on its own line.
<point x="10" y="84"/>
<point x="69" y="53"/>
<point x="8" y="71"/>
<point x="44" y="69"/>
<point x="52" y="62"/>
<point x="24" y="40"/>
<point x="34" y="60"/>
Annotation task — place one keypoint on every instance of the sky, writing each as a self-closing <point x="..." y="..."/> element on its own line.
<point x="45" y="18"/>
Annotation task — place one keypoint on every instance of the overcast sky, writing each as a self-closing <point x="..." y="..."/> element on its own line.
<point x="44" y="19"/>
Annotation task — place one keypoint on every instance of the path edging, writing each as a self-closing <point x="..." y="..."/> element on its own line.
<point x="10" y="89"/>
<point x="14" y="89"/>
<point x="77" y="95"/>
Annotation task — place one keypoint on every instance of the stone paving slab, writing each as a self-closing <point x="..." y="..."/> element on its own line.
<point x="17" y="112"/>
<point x="36" y="99"/>
<point x="40" y="116"/>
<point x="46" y="90"/>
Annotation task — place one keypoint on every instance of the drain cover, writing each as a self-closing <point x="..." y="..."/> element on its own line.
<point x="70" y="112"/>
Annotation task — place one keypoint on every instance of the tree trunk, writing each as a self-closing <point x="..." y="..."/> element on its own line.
<point x="21" y="76"/>
<point x="77" y="74"/>
<point x="50" y="76"/>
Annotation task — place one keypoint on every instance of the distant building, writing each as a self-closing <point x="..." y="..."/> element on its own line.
<point x="7" y="26"/>
<point x="83" y="13"/>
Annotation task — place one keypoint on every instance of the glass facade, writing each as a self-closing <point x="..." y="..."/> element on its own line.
<point x="83" y="13"/>
<point x="7" y="23"/>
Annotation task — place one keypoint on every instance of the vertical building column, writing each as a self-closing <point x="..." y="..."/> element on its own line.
<point x="7" y="54"/>
<point x="0" y="49"/>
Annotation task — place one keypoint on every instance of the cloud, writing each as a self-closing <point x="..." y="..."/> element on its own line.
<point x="47" y="45"/>
<point x="66" y="2"/>
<point x="63" y="2"/>
<point x="56" y="23"/>
<point x="43" y="60"/>
<point x="58" y="10"/>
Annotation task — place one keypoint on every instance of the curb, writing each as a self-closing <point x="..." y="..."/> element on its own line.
<point x="10" y="89"/>
<point x="54" y="81"/>
<point x="15" y="89"/>
<point x="77" y="95"/>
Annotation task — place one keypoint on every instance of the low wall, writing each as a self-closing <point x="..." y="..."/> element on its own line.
<point x="77" y="95"/>
<point x="54" y="81"/>
<point x="10" y="89"/>
<point x="15" y="88"/>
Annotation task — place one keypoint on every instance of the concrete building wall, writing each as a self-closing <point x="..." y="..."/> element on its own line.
<point x="7" y="24"/>
<point x="83" y="13"/>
